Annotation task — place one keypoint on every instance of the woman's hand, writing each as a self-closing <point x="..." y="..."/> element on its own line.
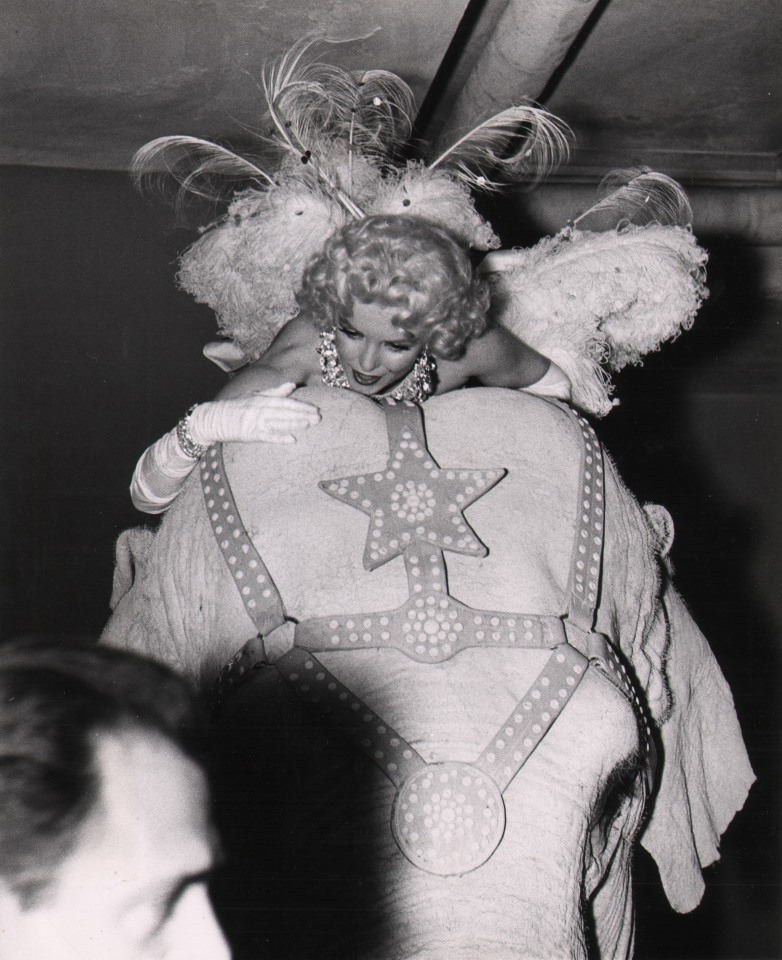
<point x="269" y="415"/>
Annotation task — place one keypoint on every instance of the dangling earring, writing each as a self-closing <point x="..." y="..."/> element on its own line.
<point x="331" y="372"/>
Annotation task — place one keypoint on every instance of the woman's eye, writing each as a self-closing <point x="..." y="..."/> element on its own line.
<point x="351" y="334"/>
<point x="400" y="347"/>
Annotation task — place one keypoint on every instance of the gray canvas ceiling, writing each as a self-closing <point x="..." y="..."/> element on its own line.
<point x="690" y="87"/>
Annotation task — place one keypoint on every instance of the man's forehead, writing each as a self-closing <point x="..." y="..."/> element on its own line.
<point x="152" y="813"/>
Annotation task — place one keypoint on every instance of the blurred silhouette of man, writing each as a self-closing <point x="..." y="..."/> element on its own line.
<point x="106" y="843"/>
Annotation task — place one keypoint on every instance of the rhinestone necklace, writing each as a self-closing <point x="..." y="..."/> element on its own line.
<point x="417" y="386"/>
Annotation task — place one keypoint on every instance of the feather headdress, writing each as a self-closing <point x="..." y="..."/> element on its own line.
<point x="336" y="143"/>
<point x="595" y="301"/>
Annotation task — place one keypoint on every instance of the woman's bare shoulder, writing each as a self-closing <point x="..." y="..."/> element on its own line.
<point x="292" y="357"/>
<point x="299" y="331"/>
<point x="451" y="375"/>
<point x="497" y="358"/>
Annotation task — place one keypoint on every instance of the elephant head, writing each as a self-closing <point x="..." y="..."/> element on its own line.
<point x="480" y="606"/>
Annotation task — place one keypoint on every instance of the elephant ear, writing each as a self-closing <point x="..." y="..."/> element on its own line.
<point x="661" y="525"/>
<point x="649" y="649"/>
<point x="129" y="556"/>
<point x="705" y="773"/>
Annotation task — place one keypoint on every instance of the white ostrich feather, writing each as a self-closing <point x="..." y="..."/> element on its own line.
<point x="384" y="112"/>
<point x="249" y="269"/>
<point x="312" y="104"/>
<point x="594" y="302"/>
<point x="640" y="196"/>
<point x="435" y="195"/>
<point x="520" y="141"/>
<point x="357" y="174"/>
<point x="198" y="167"/>
<point x="308" y="101"/>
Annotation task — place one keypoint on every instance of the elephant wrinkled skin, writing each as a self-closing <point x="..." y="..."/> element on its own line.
<point x="558" y="885"/>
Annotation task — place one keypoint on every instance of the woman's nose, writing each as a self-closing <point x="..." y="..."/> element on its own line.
<point x="368" y="357"/>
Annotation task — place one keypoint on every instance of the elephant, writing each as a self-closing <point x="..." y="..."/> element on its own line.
<point x="460" y="683"/>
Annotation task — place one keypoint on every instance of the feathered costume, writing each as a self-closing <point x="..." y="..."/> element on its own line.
<point x="590" y="301"/>
<point x="595" y="301"/>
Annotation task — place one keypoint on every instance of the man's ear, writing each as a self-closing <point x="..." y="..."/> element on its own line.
<point x="26" y="933"/>
<point x="10" y="908"/>
<point x="225" y="354"/>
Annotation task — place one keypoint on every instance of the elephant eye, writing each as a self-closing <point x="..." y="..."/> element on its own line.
<point x="619" y="786"/>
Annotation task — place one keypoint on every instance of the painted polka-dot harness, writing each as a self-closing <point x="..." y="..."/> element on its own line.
<point x="448" y="817"/>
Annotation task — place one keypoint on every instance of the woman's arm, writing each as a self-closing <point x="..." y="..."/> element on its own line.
<point x="256" y="404"/>
<point x="291" y="358"/>
<point x="271" y="416"/>
<point x="498" y="358"/>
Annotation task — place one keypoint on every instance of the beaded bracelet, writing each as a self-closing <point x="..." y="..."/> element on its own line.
<point x="189" y="447"/>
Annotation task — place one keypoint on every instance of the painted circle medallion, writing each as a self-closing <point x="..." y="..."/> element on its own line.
<point x="448" y="818"/>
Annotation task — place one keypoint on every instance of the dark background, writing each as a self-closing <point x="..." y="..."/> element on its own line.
<point x="101" y="355"/>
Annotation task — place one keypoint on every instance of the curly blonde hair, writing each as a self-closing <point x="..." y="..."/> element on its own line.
<point x="404" y="262"/>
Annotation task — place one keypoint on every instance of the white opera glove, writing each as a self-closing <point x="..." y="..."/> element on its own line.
<point x="268" y="415"/>
<point x="554" y="383"/>
<point x="160" y="474"/>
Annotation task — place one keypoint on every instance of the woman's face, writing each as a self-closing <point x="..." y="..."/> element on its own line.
<point x="375" y="354"/>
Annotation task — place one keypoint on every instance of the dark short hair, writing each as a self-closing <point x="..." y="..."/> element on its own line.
<point x="55" y="697"/>
<point x="403" y="262"/>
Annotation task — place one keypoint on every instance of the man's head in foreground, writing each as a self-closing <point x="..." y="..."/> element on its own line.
<point x="105" y="837"/>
